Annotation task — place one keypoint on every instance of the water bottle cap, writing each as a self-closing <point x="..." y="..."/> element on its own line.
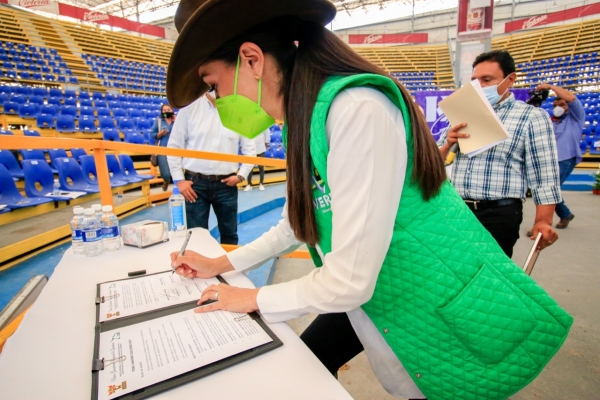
<point x="89" y="211"/>
<point x="176" y="190"/>
<point x="96" y="207"/>
<point x="106" y="208"/>
<point x="78" y="211"/>
<point x="56" y="181"/>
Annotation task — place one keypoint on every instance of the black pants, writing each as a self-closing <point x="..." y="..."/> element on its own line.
<point x="503" y="223"/>
<point x="332" y="339"/>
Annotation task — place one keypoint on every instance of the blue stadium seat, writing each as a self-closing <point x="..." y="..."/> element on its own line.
<point x="119" y="113"/>
<point x="55" y="101"/>
<point x="129" y="169"/>
<point x="125" y="123"/>
<point x="70" y="176"/>
<point x="106" y="123"/>
<point x="69" y="110"/>
<point x="86" y="103"/>
<point x="70" y="94"/>
<point x="28" y="110"/>
<point x="39" y="100"/>
<point x="115" y="169"/>
<point x="65" y="123"/>
<point x="77" y="153"/>
<point x="56" y="154"/>
<point x="278" y="152"/>
<point x="55" y="92"/>
<point x="10" y="195"/>
<point x="111" y="134"/>
<point x="134" y="113"/>
<point x="18" y="98"/>
<point x="91" y="176"/>
<point x="70" y="102"/>
<point x="31" y="132"/>
<point x="35" y="154"/>
<point x="135" y="138"/>
<point x="86" y="111"/>
<point x="11" y="108"/>
<point x="8" y="159"/>
<point x="87" y="124"/>
<point x="39" y="180"/>
<point x="45" y="121"/>
<point x="84" y="96"/>
<point x="97" y="96"/>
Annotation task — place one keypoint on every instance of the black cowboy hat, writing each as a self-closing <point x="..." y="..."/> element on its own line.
<point x="205" y="25"/>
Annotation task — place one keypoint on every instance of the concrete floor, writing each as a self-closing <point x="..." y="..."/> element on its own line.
<point x="568" y="270"/>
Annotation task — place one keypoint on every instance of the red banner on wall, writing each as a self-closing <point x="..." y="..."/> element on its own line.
<point x="388" y="38"/>
<point x="111" y="20"/>
<point x="559" y="16"/>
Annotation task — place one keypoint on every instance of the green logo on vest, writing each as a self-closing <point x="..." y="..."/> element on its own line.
<point x="321" y="197"/>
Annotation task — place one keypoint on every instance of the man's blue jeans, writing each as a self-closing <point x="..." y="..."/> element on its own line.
<point x="224" y="200"/>
<point x="565" y="167"/>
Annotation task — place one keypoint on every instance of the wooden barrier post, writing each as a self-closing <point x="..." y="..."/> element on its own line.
<point x="103" y="177"/>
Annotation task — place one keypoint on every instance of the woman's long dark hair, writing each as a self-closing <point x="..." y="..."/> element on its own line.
<point x="304" y="69"/>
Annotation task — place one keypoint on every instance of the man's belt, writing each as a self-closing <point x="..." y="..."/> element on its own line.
<point x="485" y="204"/>
<point x="212" y="178"/>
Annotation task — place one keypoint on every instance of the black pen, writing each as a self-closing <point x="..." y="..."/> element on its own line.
<point x="182" y="251"/>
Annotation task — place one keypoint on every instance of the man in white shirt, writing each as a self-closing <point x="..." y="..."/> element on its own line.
<point x="261" y="142"/>
<point x="205" y="182"/>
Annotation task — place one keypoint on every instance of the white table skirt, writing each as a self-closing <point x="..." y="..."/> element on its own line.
<point x="50" y="355"/>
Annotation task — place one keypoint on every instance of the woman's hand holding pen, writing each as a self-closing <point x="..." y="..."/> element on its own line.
<point x="192" y="265"/>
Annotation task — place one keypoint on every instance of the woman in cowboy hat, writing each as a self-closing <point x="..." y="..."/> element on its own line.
<point x="407" y="273"/>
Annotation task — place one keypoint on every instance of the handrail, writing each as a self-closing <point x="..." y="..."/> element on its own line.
<point x="99" y="147"/>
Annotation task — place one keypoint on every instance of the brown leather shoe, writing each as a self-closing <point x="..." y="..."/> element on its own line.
<point x="165" y="186"/>
<point x="563" y="223"/>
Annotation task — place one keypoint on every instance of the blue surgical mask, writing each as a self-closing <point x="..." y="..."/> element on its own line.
<point x="491" y="93"/>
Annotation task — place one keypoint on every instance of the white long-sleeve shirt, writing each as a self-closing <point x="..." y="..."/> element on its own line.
<point x="261" y="140"/>
<point x="198" y="127"/>
<point x="366" y="168"/>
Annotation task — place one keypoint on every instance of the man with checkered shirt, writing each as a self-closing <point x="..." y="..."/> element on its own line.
<point x="494" y="183"/>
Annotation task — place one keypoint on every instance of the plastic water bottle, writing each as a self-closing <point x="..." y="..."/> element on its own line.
<point x="97" y="210"/>
<point x="111" y="236"/>
<point x="92" y="234"/>
<point x="76" y="230"/>
<point x="56" y="188"/>
<point x="177" y="213"/>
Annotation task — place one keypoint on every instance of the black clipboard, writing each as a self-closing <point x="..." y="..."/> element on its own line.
<point x="190" y="376"/>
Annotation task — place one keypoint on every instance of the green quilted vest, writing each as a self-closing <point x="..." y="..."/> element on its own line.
<point x="464" y="320"/>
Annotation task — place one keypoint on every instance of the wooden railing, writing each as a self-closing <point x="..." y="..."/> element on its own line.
<point x="100" y="147"/>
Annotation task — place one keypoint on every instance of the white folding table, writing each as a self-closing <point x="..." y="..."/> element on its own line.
<point x="50" y="355"/>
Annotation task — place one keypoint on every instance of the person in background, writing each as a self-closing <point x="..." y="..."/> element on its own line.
<point x="401" y="259"/>
<point x="494" y="183"/>
<point x="206" y="183"/>
<point x="160" y="134"/>
<point x="568" y="119"/>
<point x="261" y="142"/>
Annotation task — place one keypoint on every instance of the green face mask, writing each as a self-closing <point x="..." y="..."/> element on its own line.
<point x="242" y="115"/>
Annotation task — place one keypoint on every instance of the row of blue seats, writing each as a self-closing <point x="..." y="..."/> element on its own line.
<point x="131" y="135"/>
<point x="37" y="76"/>
<point x="156" y="88"/>
<point x="421" y="73"/>
<point x="73" y="177"/>
<point x="75" y="103"/>
<point x="38" y="66"/>
<point x="20" y="46"/>
<point x="120" y="61"/>
<point x="34" y="106"/>
<point x="82" y="95"/>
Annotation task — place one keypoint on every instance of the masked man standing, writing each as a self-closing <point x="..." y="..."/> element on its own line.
<point x="494" y="183"/>
<point x="568" y="118"/>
